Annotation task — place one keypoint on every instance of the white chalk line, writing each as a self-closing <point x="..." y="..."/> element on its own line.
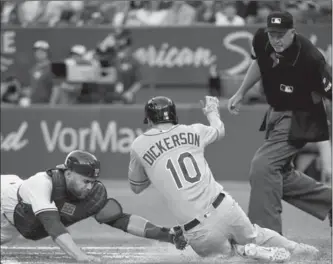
<point x="87" y="248"/>
<point x="134" y="256"/>
<point x="118" y="253"/>
<point x="109" y="252"/>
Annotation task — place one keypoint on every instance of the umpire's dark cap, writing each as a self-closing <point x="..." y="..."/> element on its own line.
<point x="279" y="22"/>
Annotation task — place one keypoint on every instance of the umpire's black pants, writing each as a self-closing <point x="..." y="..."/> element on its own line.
<point x="272" y="179"/>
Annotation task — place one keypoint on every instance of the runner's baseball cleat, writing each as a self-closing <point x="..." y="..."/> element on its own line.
<point x="271" y="254"/>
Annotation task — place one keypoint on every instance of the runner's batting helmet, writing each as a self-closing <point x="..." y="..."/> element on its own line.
<point x="160" y="109"/>
<point x="83" y="163"/>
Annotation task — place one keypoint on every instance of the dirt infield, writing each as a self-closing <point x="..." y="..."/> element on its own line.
<point x="130" y="255"/>
<point x="119" y="248"/>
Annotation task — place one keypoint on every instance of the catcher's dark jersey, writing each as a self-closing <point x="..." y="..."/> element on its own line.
<point x="56" y="197"/>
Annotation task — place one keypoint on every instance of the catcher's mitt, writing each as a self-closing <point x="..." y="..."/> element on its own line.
<point x="178" y="238"/>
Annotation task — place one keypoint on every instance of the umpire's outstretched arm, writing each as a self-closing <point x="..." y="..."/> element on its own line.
<point x="252" y="76"/>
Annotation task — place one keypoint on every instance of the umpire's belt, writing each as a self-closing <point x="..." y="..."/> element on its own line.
<point x="195" y="221"/>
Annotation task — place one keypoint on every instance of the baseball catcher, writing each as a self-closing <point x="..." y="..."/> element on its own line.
<point x="50" y="201"/>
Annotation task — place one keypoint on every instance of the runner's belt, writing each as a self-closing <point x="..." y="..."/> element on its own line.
<point x="195" y="221"/>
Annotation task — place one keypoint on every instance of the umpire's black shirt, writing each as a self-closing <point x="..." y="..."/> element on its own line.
<point x="291" y="81"/>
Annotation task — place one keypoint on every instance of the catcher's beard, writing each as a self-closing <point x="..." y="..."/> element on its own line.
<point x="75" y="192"/>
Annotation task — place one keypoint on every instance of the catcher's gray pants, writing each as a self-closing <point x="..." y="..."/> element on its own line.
<point x="272" y="179"/>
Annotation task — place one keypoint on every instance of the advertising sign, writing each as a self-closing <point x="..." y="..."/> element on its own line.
<point x="169" y="56"/>
<point x="35" y="139"/>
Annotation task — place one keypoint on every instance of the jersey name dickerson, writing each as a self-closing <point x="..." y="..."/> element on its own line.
<point x="168" y="143"/>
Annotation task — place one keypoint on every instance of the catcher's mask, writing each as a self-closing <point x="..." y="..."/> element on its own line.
<point x="83" y="163"/>
<point x="160" y="109"/>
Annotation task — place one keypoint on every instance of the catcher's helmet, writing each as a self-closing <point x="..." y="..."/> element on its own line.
<point x="83" y="163"/>
<point x="160" y="109"/>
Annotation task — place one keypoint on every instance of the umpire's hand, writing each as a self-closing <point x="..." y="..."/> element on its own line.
<point x="234" y="103"/>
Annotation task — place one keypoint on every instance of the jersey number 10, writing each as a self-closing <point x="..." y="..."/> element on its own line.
<point x="192" y="179"/>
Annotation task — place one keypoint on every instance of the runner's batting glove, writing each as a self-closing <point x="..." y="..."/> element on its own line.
<point x="211" y="105"/>
<point x="178" y="238"/>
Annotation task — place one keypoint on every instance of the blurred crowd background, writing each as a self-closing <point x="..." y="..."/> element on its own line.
<point x="47" y="85"/>
<point x="158" y="12"/>
<point x="120" y="77"/>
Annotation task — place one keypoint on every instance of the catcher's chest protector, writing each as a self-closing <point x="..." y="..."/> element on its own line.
<point x="71" y="210"/>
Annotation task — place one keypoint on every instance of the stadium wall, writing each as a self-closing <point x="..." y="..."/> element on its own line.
<point x="38" y="138"/>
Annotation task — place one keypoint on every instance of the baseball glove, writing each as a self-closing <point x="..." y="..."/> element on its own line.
<point x="178" y="238"/>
